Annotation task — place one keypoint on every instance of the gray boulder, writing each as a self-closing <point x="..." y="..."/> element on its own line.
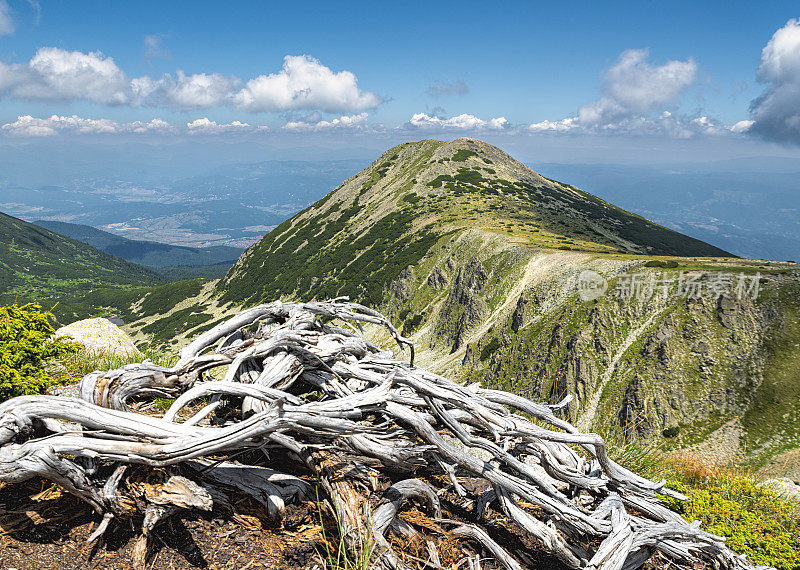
<point x="100" y="336"/>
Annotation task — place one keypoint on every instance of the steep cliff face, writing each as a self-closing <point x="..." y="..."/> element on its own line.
<point x="670" y="366"/>
<point x="465" y="306"/>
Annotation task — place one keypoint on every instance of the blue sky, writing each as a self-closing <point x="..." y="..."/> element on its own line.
<point x="555" y="75"/>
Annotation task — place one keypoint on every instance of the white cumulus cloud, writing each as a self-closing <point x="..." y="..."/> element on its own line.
<point x="776" y="112"/>
<point x="200" y="91"/>
<point x="562" y="126"/>
<point x="635" y="86"/>
<point x="154" y="125"/>
<point x="28" y="126"/>
<point x="343" y="122"/>
<point x="304" y="83"/>
<point x="742" y="126"/>
<point x="464" y="122"/>
<point x="208" y="127"/>
<point x="57" y="74"/>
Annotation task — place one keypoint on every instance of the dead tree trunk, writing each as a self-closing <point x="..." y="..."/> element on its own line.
<point x="355" y="416"/>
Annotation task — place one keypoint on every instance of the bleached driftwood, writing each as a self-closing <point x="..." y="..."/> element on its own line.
<point x="355" y="416"/>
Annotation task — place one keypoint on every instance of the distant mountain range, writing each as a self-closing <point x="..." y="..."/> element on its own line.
<point x="150" y="253"/>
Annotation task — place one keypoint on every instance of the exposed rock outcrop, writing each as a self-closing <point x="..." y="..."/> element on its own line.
<point x="784" y="487"/>
<point x="465" y="307"/>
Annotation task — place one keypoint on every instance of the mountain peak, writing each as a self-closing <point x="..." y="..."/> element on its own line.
<point x="386" y="218"/>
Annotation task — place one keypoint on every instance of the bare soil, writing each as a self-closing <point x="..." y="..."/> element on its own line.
<point x="42" y="527"/>
<point x="41" y="531"/>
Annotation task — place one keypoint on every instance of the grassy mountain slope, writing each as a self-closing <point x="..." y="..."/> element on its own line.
<point x="387" y="217"/>
<point x="150" y="253"/>
<point x="477" y="257"/>
<point x="36" y="263"/>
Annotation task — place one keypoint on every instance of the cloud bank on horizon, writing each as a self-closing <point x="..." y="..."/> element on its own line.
<point x="637" y="97"/>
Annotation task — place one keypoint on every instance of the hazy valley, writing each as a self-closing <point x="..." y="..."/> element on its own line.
<point x="228" y="205"/>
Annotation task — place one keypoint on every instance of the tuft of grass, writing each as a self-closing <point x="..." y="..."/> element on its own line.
<point x="72" y="367"/>
<point x="644" y="457"/>
<point x="163" y="404"/>
<point x="337" y="556"/>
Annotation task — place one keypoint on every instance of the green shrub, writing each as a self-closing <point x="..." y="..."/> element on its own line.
<point x="671" y="432"/>
<point x="490" y="347"/>
<point x="177" y="322"/>
<point x="470" y="176"/>
<point x="669" y="264"/>
<point x="755" y="520"/>
<point x="411" y="324"/>
<point x="463" y="154"/>
<point x="162" y="299"/>
<point x="26" y="349"/>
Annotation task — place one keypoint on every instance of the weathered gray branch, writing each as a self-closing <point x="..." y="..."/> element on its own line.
<point x="356" y="417"/>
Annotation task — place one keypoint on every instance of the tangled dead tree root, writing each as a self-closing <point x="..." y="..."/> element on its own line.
<point x="381" y="439"/>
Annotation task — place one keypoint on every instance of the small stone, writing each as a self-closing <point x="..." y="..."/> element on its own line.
<point x="784" y="487"/>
